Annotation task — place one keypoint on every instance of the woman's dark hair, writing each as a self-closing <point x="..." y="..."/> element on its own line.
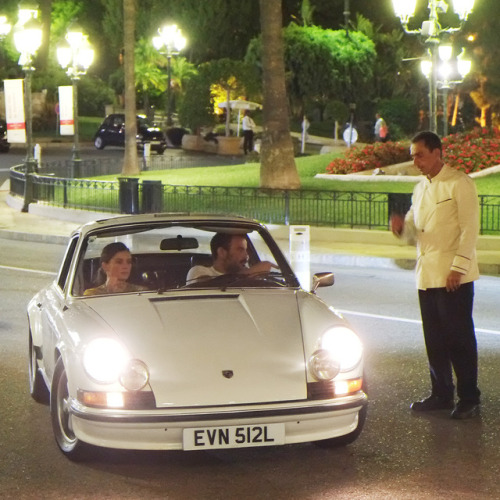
<point x="109" y="251"/>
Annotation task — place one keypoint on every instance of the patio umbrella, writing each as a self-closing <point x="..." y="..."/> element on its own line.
<point x="240" y="104"/>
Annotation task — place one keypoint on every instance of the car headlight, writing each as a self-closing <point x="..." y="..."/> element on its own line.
<point x="104" y="360"/>
<point x="135" y="376"/>
<point x="323" y="366"/>
<point x="344" y="347"/>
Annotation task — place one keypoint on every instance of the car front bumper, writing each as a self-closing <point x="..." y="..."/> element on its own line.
<point x="163" y="429"/>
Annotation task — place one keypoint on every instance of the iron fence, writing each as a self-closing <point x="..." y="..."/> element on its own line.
<point x="273" y="206"/>
<point x="95" y="167"/>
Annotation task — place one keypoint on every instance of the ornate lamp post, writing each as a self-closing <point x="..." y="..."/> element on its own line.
<point x="450" y="72"/>
<point x="27" y="39"/>
<point x="75" y="55"/>
<point x="169" y="42"/>
<point x="432" y="31"/>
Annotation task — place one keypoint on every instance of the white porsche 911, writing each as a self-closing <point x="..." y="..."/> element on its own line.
<point x="131" y="355"/>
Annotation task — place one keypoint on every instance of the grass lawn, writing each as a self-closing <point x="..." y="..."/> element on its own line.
<point x="248" y="175"/>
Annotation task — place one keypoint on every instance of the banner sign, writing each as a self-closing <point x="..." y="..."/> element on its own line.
<point x="14" y="110"/>
<point x="66" y="119"/>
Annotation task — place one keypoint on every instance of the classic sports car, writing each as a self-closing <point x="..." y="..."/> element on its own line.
<point x="236" y="360"/>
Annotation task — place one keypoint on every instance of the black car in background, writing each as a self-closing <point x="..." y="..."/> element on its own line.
<point x="112" y="133"/>
<point x="4" y="145"/>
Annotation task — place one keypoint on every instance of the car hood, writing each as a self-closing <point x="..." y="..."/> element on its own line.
<point x="211" y="347"/>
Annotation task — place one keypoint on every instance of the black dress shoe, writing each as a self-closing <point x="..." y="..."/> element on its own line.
<point x="465" y="409"/>
<point x="432" y="403"/>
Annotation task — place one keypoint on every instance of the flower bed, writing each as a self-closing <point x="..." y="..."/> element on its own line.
<point x="473" y="151"/>
<point x="380" y="154"/>
<point x="469" y="151"/>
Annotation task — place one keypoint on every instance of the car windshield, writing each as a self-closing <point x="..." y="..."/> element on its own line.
<point x="161" y="256"/>
<point x="143" y="122"/>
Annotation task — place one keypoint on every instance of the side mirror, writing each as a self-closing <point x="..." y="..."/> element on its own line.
<point x="322" y="279"/>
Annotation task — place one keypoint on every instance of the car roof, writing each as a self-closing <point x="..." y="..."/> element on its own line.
<point x="159" y="218"/>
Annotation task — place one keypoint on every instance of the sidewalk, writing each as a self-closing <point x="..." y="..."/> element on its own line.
<point x="341" y="247"/>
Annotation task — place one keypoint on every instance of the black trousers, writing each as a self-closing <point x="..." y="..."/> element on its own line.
<point x="247" y="141"/>
<point x="450" y="341"/>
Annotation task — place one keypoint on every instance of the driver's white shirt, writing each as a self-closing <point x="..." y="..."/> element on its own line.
<point x="198" y="272"/>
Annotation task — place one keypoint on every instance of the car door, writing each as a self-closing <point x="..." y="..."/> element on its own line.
<point x="53" y="308"/>
<point x="116" y="131"/>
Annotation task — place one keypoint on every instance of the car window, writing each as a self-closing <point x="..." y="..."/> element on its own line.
<point x="117" y="121"/>
<point x="62" y="277"/>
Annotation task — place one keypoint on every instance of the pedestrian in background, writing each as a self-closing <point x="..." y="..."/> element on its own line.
<point x="248" y="126"/>
<point x="443" y="221"/>
<point x="381" y="129"/>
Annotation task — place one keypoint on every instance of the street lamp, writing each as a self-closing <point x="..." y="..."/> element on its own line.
<point x="450" y="72"/>
<point x="169" y="42"/>
<point x="432" y="30"/>
<point x="27" y="40"/>
<point x="75" y="55"/>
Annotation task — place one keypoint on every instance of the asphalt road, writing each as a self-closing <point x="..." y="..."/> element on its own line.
<point x="398" y="455"/>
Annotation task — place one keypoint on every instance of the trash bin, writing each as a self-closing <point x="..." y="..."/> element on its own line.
<point x="398" y="203"/>
<point x="129" y="195"/>
<point x="152" y="197"/>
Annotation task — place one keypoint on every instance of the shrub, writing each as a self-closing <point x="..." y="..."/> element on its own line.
<point x="401" y="115"/>
<point x="93" y="95"/>
<point x="472" y="151"/>
<point x="380" y="154"/>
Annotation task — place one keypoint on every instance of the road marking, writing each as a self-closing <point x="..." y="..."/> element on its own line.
<point x="22" y="269"/>
<point x="407" y="320"/>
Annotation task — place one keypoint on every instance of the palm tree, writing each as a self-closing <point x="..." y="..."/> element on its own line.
<point x="148" y="74"/>
<point x="130" y="163"/>
<point x="278" y="169"/>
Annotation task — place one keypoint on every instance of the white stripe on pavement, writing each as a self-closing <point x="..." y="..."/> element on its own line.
<point x="406" y="320"/>
<point x="22" y="269"/>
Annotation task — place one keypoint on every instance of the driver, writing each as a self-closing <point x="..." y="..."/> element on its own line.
<point x="230" y="256"/>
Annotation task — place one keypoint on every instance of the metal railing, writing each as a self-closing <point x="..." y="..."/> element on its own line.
<point x="273" y="206"/>
<point x="111" y="166"/>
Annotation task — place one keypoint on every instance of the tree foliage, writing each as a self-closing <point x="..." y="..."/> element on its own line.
<point x="322" y="65"/>
<point x="235" y="78"/>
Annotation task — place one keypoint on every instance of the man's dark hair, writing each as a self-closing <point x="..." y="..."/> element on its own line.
<point x="220" y="240"/>
<point x="430" y="139"/>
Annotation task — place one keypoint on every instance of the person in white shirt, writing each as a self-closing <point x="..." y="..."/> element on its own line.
<point x="230" y="256"/>
<point x="380" y="130"/>
<point x="248" y="126"/>
<point x="443" y="221"/>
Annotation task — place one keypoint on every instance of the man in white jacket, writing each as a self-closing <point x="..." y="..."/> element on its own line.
<point x="248" y="126"/>
<point x="443" y="221"/>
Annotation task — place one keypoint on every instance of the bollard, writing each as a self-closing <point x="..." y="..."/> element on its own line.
<point x="38" y="156"/>
<point x="146" y="155"/>
<point x="300" y="255"/>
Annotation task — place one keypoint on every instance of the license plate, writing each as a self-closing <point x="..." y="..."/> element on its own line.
<point x="238" y="436"/>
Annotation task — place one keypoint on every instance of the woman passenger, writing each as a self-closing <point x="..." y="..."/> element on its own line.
<point x="116" y="264"/>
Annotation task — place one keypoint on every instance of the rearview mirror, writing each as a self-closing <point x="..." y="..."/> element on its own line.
<point x="179" y="243"/>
